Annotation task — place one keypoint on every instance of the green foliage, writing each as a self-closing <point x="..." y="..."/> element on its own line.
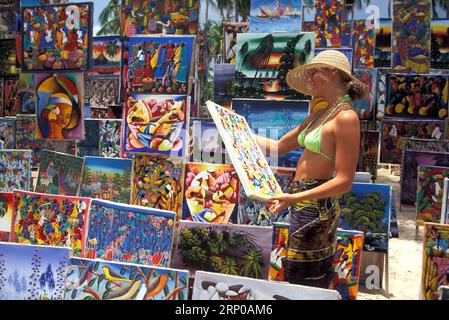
<point x="251" y="263"/>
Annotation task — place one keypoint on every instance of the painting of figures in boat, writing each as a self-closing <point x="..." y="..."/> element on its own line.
<point x="275" y="16"/>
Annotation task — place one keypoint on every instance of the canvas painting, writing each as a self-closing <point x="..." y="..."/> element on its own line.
<point x="32" y="272"/>
<point x="395" y="131"/>
<point x="216" y="286"/>
<point x="106" y="56"/>
<point x="8" y="132"/>
<point x="26" y="93"/>
<point x="59" y="106"/>
<point x="154" y="17"/>
<point x="409" y="171"/>
<point x="110" y="143"/>
<point x="243" y="250"/>
<point x="90" y="145"/>
<point x="160" y="64"/>
<point x="15" y="170"/>
<point x="211" y="193"/>
<point x="445" y="204"/>
<point x="157" y="183"/>
<point x="134" y="234"/>
<point x="430" y="194"/>
<point x="381" y="92"/>
<point x="274" y="119"/>
<point x="347" y="263"/>
<point x="8" y="63"/>
<point x="367" y="208"/>
<point x="346" y="28"/>
<point x="103" y="91"/>
<point x="6" y="212"/>
<point x="255" y="212"/>
<point x="111" y="112"/>
<point x="328" y="20"/>
<point x="369" y="153"/>
<point x="414" y="144"/>
<point x="156" y="124"/>
<point x="248" y="159"/>
<point x="59" y="173"/>
<point x="105" y="280"/>
<point x="382" y="52"/>
<point x="278" y="252"/>
<point x="435" y="261"/>
<point x="224" y="84"/>
<point x="11" y="102"/>
<point x="107" y="179"/>
<point x="275" y="16"/>
<point x="264" y="59"/>
<point x="439" y="54"/>
<point x="348" y="52"/>
<point x="206" y="145"/>
<point x="9" y="9"/>
<point x="365" y="106"/>
<point x="230" y="31"/>
<point x="418" y="96"/>
<point x="411" y="36"/>
<point x="57" y="37"/>
<point x="56" y="220"/>
<point x="363" y="42"/>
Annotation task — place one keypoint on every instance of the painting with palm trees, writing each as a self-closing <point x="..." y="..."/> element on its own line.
<point x="328" y="19"/>
<point x="106" y="56"/>
<point x="409" y="171"/>
<point x="155" y="17"/>
<point x="264" y="59"/>
<point x="6" y="212"/>
<point x="215" y="286"/>
<point x="439" y="57"/>
<point x="411" y="36"/>
<point x="223" y="248"/>
<point x="275" y="16"/>
<point x="89" y="279"/>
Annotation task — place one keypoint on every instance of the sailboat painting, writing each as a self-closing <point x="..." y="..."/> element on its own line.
<point x="275" y="16"/>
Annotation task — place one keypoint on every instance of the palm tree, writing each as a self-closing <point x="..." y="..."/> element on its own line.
<point x="263" y="54"/>
<point x="243" y="53"/>
<point x="251" y="264"/>
<point x="222" y="6"/>
<point x="111" y="48"/>
<point x="228" y="266"/>
<point x="110" y="18"/>
<point x="242" y="8"/>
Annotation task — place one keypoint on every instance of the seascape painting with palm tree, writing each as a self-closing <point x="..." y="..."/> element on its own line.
<point x="106" y="55"/>
<point x="264" y="59"/>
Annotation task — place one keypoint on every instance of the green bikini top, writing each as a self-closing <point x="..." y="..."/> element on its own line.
<point x="312" y="141"/>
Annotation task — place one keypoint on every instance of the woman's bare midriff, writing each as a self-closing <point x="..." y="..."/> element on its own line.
<point x="314" y="166"/>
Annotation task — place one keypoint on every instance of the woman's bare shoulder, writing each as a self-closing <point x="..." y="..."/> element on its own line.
<point x="347" y="117"/>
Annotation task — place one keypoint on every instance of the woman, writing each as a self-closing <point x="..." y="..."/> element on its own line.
<point x="331" y="137"/>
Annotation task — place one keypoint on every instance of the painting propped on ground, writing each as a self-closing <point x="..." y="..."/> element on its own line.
<point x="275" y="16"/>
<point x="15" y="170"/>
<point x="6" y="212"/>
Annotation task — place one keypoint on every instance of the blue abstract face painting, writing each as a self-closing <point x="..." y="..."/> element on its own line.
<point x="130" y="234"/>
<point x="274" y="119"/>
<point x="32" y="272"/>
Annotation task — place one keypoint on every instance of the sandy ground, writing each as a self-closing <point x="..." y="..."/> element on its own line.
<point x="405" y="253"/>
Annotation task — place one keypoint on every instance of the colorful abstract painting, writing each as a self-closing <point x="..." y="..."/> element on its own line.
<point x="369" y="153"/>
<point x="348" y="52"/>
<point x="418" y="96"/>
<point x="154" y="17"/>
<point x="110" y="143"/>
<point x="347" y="262"/>
<point x="59" y="106"/>
<point x="57" y="37"/>
<point x="156" y="124"/>
<point x="382" y="52"/>
<point x="32" y="272"/>
<point x="439" y="55"/>
<point x="278" y="252"/>
<point x="435" y="260"/>
<point x="11" y="102"/>
<point x="8" y="132"/>
<point x="6" y="212"/>
<point x="15" y="170"/>
<point x="157" y="183"/>
<point x="365" y="106"/>
<point x="50" y="220"/>
<point x="395" y="131"/>
<point x="346" y="27"/>
<point x="264" y="59"/>
<point x="328" y="20"/>
<point x="255" y="212"/>
<point x="224" y="248"/>
<point x="106" y="56"/>
<point x="216" y="286"/>
<point x="105" y="280"/>
<point x="90" y="145"/>
<point x="211" y="193"/>
<point x="430" y="193"/>
<point x="224" y="84"/>
<point x="363" y="36"/>
<point x="273" y="120"/>
<point x="8" y="63"/>
<point x="59" y="173"/>
<point x="160" y="64"/>
<point x="107" y="179"/>
<point x="230" y="31"/>
<point x="367" y="208"/>
<point x="248" y="159"/>
<point x="26" y="93"/>
<point x="103" y="91"/>
<point x="411" y="36"/>
<point x="134" y="234"/>
<point x="409" y="171"/>
<point x="275" y="16"/>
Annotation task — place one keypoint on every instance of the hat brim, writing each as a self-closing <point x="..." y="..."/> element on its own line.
<point x="297" y="78"/>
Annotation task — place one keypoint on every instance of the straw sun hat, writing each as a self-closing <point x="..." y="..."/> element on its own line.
<point x="297" y="78"/>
